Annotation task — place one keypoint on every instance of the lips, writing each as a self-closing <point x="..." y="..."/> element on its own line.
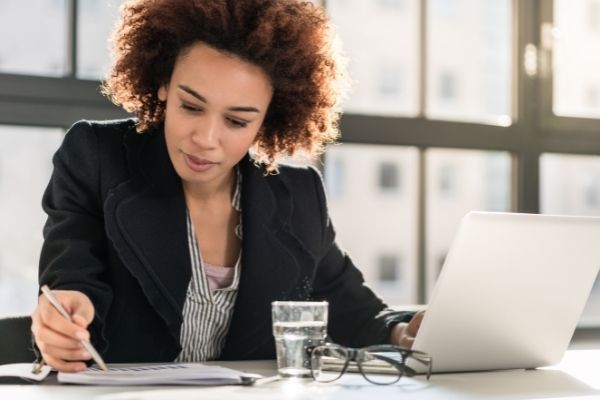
<point x="198" y="164"/>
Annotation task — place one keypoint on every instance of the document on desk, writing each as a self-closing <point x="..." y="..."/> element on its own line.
<point x="159" y="374"/>
<point x="24" y="372"/>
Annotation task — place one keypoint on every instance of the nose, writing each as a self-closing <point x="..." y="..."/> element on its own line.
<point x="207" y="133"/>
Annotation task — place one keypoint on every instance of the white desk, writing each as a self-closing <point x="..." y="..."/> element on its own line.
<point x="577" y="376"/>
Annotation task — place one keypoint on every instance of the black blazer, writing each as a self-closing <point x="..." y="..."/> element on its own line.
<point x="116" y="230"/>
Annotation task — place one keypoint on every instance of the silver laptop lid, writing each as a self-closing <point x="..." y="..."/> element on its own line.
<point x="511" y="291"/>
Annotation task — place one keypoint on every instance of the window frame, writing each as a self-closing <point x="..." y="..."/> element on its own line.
<point x="550" y="122"/>
<point x="29" y="100"/>
<point x="535" y="130"/>
<point x="59" y="102"/>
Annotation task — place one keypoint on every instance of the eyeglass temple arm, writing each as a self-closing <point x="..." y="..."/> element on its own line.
<point x="400" y="366"/>
<point x="408" y="371"/>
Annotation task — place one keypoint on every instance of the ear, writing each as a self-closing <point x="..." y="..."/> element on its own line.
<point x="162" y="93"/>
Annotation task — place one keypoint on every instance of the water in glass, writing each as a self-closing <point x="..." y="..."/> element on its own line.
<point x="291" y="340"/>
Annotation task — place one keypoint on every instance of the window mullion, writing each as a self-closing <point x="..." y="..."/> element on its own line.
<point x="72" y="38"/>
<point x="421" y="228"/>
<point x="422" y="93"/>
<point x="526" y="174"/>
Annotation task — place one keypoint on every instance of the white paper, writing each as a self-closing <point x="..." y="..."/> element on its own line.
<point x="24" y="371"/>
<point x="159" y="374"/>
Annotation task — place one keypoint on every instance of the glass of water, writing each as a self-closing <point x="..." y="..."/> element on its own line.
<point x="296" y="326"/>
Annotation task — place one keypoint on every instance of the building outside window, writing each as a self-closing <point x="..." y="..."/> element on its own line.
<point x="389" y="177"/>
<point x="448" y="87"/>
<point x="389" y="269"/>
<point x="391" y="5"/>
<point x="390" y="82"/>
<point x="448" y="104"/>
<point x="24" y="173"/>
<point x="335" y="180"/>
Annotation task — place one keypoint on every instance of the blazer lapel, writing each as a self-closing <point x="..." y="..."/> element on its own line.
<point x="146" y="221"/>
<point x="275" y="264"/>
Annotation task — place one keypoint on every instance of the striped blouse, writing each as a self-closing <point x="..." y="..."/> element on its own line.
<point x="207" y="313"/>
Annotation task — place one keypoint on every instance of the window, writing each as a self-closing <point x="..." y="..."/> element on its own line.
<point x="390" y="82"/>
<point x="367" y="220"/>
<point x="501" y="139"/>
<point x="570" y="185"/>
<point x="497" y="177"/>
<point x="447" y="87"/>
<point x="335" y="180"/>
<point x="592" y="193"/>
<point x="593" y="97"/>
<point x="383" y="68"/>
<point x="469" y="60"/>
<point x="388" y="268"/>
<point x="459" y="181"/>
<point x="24" y="173"/>
<point x="446" y="8"/>
<point x="447" y="182"/>
<point x="479" y="127"/>
<point x="26" y="47"/>
<point x="391" y="5"/>
<point x="388" y="177"/>
<point x="575" y="63"/>
<point x="40" y="97"/>
<point x="96" y="20"/>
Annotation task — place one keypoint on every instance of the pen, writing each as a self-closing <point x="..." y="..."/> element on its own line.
<point x="85" y="343"/>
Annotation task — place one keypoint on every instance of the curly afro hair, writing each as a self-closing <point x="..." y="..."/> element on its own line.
<point x="290" y="40"/>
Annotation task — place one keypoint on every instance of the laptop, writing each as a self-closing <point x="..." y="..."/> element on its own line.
<point x="511" y="291"/>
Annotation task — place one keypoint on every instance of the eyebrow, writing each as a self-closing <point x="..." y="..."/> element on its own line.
<point x="197" y="95"/>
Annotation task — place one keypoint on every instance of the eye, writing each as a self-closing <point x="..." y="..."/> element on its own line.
<point x="188" y="107"/>
<point x="236" y="123"/>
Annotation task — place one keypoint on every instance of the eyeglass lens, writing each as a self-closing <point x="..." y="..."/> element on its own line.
<point x="328" y="362"/>
<point x="377" y="368"/>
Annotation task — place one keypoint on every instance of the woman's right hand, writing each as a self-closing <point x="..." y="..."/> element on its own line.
<point x="58" y="339"/>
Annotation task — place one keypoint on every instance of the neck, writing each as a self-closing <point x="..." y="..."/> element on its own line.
<point x="211" y="191"/>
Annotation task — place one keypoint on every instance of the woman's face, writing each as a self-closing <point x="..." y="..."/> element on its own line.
<point x="215" y="106"/>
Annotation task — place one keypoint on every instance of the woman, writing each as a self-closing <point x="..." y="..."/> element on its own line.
<point x="169" y="235"/>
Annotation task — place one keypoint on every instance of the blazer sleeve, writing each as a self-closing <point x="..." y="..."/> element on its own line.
<point x="357" y="317"/>
<point x="73" y="255"/>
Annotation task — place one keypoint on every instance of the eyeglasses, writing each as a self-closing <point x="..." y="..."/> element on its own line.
<point x="380" y="364"/>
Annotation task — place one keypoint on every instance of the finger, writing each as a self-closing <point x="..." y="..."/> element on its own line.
<point x="84" y="313"/>
<point x="64" y="366"/>
<point x="407" y="341"/>
<point x="415" y="324"/>
<point x="78" y="304"/>
<point x="52" y="319"/>
<point x="418" y="318"/>
<point x="35" y="324"/>
<point x="81" y="321"/>
<point x="419" y="315"/>
<point x="66" y="354"/>
<point x="46" y="335"/>
<point x="411" y="329"/>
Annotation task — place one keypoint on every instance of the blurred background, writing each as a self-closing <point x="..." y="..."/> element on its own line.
<point x="457" y="105"/>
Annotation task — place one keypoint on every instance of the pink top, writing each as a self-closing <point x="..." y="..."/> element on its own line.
<point x="218" y="277"/>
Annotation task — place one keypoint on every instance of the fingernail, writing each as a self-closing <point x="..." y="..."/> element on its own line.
<point x="86" y="355"/>
<point x="80" y="335"/>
